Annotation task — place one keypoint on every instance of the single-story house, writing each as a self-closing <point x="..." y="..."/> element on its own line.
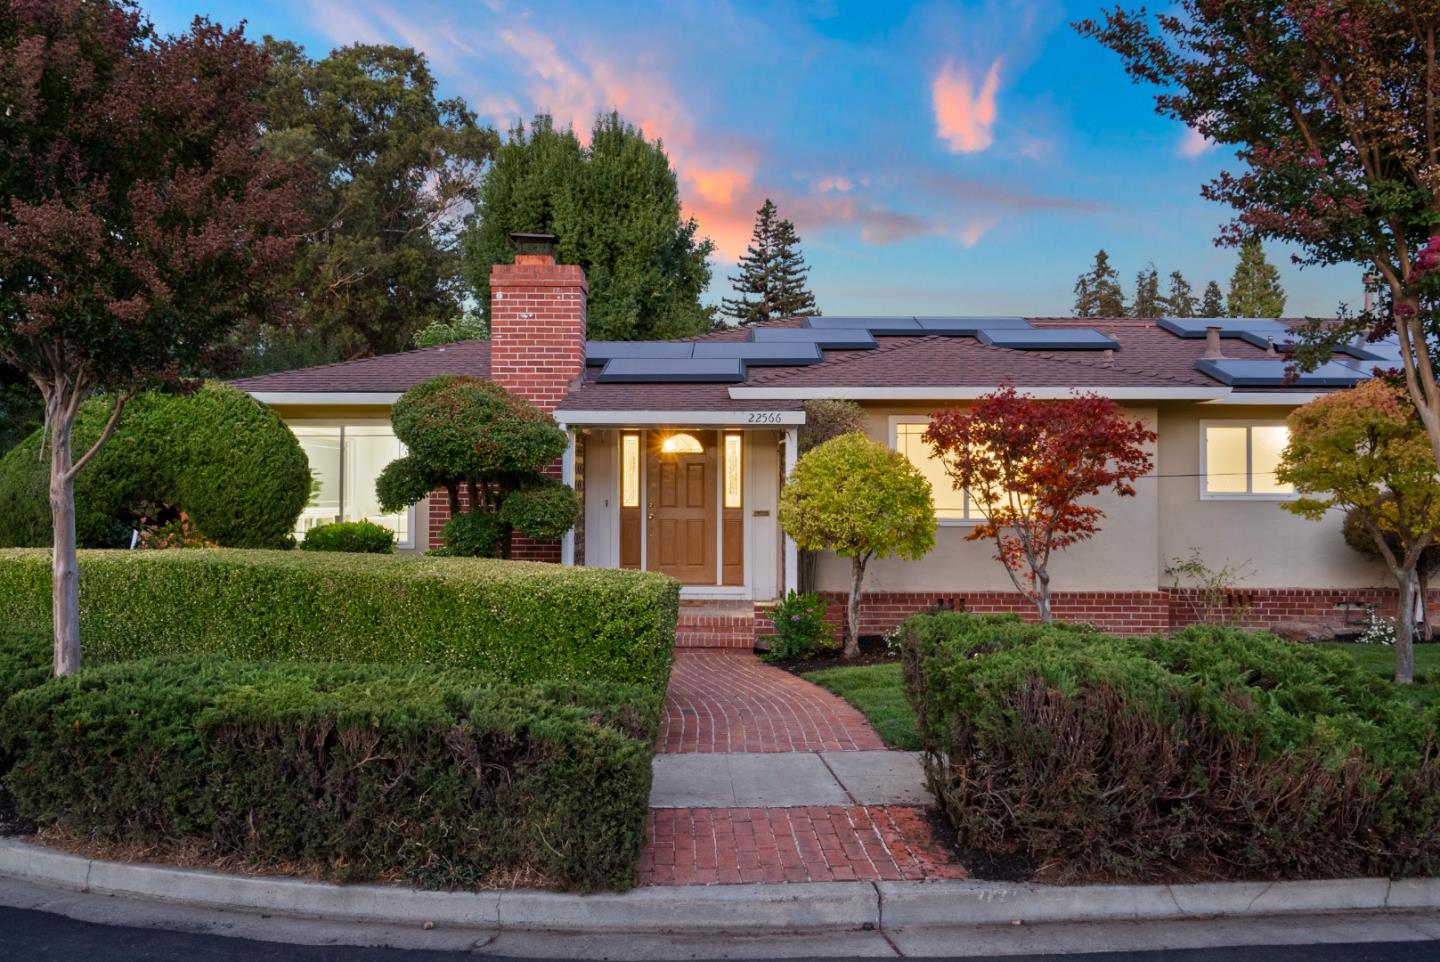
<point x="679" y="449"/>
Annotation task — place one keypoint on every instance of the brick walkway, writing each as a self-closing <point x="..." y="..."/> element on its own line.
<point x="722" y="701"/>
<point x="708" y="846"/>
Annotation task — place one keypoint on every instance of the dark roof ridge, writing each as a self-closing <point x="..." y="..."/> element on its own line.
<point x="436" y="348"/>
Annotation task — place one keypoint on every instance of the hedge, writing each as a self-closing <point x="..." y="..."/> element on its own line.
<point x="363" y="537"/>
<point x="359" y="772"/>
<point x="218" y="455"/>
<point x="521" y="621"/>
<point x="1215" y="754"/>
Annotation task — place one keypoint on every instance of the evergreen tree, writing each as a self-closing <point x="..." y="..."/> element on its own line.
<point x="1148" y="302"/>
<point x="1097" y="292"/>
<point x="615" y="208"/>
<point x="1213" y="303"/>
<point x="1255" y="289"/>
<point x="1181" y="301"/>
<point x="771" y="283"/>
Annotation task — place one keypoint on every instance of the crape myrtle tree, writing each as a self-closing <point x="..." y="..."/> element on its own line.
<point x="1027" y="464"/>
<point x="1365" y="451"/>
<point x="1334" y="110"/>
<point x="1356" y="532"/>
<point x="467" y="434"/>
<point x="861" y="500"/>
<point x="139" y="221"/>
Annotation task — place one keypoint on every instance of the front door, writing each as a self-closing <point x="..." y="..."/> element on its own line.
<point x="681" y="490"/>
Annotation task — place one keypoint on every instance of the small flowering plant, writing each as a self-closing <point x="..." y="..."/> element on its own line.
<point x="800" y="627"/>
<point x="1380" y="632"/>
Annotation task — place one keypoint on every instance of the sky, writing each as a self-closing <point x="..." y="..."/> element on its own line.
<point x="936" y="158"/>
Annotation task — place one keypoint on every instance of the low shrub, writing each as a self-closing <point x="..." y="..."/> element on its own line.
<point x="473" y="534"/>
<point x="520" y="621"/>
<point x="362" y="537"/>
<point x="800" y="627"/>
<point x="1214" y="754"/>
<point x="359" y="771"/>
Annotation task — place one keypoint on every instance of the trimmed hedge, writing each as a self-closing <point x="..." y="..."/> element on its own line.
<point x="218" y="455"/>
<point x="359" y="771"/>
<point x="1215" y="754"/>
<point x="516" y="620"/>
<point x="362" y="537"/>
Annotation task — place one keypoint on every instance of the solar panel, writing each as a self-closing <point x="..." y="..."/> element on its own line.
<point x="1229" y="326"/>
<point x="1049" y="339"/>
<point x="1263" y="372"/>
<point x="970" y="326"/>
<point x="1260" y="339"/>
<point x="876" y="325"/>
<point x="753" y="353"/>
<point x="633" y="370"/>
<point x="598" y="352"/>
<point x="1387" y="350"/>
<point x="836" y="340"/>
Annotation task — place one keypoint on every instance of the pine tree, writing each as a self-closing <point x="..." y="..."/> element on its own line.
<point x="1213" y="303"/>
<point x="771" y="283"/>
<point x="1255" y="289"/>
<point x="1098" y="293"/>
<point x="1148" y="302"/>
<point x="1181" y="301"/>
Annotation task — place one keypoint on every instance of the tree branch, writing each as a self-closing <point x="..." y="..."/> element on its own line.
<point x="109" y="429"/>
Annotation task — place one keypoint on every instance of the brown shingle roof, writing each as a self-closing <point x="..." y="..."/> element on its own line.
<point x="388" y="373"/>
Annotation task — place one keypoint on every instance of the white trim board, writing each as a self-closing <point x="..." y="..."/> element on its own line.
<point x="681" y="419"/>
<point x="326" y="397"/>
<point x="972" y="393"/>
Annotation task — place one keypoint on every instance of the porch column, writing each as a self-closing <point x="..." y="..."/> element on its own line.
<point x="792" y="554"/>
<point x="567" y="475"/>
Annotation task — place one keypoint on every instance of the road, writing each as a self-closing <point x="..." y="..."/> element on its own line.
<point x="33" y="936"/>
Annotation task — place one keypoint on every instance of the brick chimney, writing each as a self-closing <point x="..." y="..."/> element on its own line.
<point x="537" y="322"/>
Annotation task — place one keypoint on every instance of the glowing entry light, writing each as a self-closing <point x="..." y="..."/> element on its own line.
<point x="681" y="444"/>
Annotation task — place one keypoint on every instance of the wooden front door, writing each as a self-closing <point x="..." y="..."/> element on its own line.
<point x="681" y="490"/>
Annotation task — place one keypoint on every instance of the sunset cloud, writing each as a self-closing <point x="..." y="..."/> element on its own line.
<point x="1193" y="144"/>
<point x="964" y="111"/>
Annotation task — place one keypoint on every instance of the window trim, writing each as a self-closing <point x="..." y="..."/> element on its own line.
<point x="1204" y="479"/>
<point x="411" y="541"/>
<point x="894" y="428"/>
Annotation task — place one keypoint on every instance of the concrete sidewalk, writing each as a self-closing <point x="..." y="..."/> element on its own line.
<point x="788" y="779"/>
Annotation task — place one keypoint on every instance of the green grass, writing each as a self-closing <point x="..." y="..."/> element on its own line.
<point x="879" y="692"/>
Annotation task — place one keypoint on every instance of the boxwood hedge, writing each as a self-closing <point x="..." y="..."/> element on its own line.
<point x="1212" y="754"/>
<point x="516" y="620"/>
<point x="357" y="771"/>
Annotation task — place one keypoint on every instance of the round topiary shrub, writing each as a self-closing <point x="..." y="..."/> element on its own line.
<point x="544" y="510"/>
<point x="365" y="537"/>
<point x="219" y="456"/>
<point x="474" y="534"/>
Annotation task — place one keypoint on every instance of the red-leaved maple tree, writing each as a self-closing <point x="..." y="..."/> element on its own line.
<point x="1027" y="464"/>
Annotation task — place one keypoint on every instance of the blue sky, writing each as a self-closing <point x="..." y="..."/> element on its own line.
<point x="948" y="158"/>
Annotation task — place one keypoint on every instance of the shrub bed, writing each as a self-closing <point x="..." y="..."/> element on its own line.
<point x="364" y="537"/>
<point x="515" y="620"/>
<point x="1210" y="755"/>
<point x="359" y="771"/>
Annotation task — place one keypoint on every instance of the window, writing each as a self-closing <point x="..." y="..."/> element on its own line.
<point x="681" y="444"/>
<point x="950" y="504"/>
<point x="345" y="460"/>
<point x="733" y="486"/>
<point x="1238" y="460"/>
<point x="630" y="470"/>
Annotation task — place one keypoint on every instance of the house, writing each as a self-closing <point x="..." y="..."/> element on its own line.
<point x="679" y="450"/>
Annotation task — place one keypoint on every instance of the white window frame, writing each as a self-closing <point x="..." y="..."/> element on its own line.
<point x="410" y="542"/>
<point x="1205" y="493"/>
<point x="968" y="521"/>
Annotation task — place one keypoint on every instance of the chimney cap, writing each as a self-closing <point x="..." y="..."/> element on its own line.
<point x="527" y="242"/>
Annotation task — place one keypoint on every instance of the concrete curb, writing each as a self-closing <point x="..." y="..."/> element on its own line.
<point x="791" y="907"/>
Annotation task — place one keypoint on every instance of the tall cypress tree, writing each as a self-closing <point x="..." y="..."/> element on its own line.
<point x="1097" y="292"/>
<point x="771" y="283"/>
<point x="1255" y="289"/>
<point x="1148" y="302"/>
<point x="1213" y="303"/>
<point x="1181" y="301"/>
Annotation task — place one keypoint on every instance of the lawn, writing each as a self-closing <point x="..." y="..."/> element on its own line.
<point x="879" y="690"/>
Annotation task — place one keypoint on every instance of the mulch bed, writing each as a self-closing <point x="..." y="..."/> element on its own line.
<point x="872" y="652"/>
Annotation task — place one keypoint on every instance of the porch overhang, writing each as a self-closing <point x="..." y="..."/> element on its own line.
<point x="971" y="393"/>
<point x="676" y="419"/>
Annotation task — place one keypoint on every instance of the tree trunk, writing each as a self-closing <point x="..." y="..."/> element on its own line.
<point x="1042" y="598"/>
<point x="807" y="562"/>
<point x="852" y="609"/>
<point x="65" y="570"/>
<point x="1405" y="628"/>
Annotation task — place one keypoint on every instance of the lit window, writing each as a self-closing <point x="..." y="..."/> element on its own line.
<point x="1240" y="460"/>
<point x="345" y="461"/>
<point x="681" y="444"/>
<point x="732" y="471"/>
<point x="950" y="504"/>
<point x="630" y="471"/>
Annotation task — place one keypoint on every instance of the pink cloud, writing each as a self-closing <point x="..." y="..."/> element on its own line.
<point x="1193" y="144"/>
<point x="964" y="112"/>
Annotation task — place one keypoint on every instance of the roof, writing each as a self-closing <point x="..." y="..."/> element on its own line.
<point x="385" y="374"/>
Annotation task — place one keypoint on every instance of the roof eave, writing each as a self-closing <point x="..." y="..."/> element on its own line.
<point x="970" y="393"/>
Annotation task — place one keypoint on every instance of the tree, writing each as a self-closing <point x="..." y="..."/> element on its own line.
<point x="1097" y="292"/>
<point x="468" y="434"/>
<point x="1255" y="289"/>
<point x="466" y="327"/>
<point x="394" y="171"/>
<point x="1181" y="301"/>
<point x="1333" y="112"/>
<point x="1213" y="303"/>
<point x="861" y="500"/>
<point x="825" y="418"/>
<point x="772" y="274"/>
<point x="1027" y="464"/>
<point x="1357" y="536"/>
<point x="615" y="208"/>
<point x="1365" y="450"/>
<point x="1148" y="302"/>
<point x="139" y="221"/>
